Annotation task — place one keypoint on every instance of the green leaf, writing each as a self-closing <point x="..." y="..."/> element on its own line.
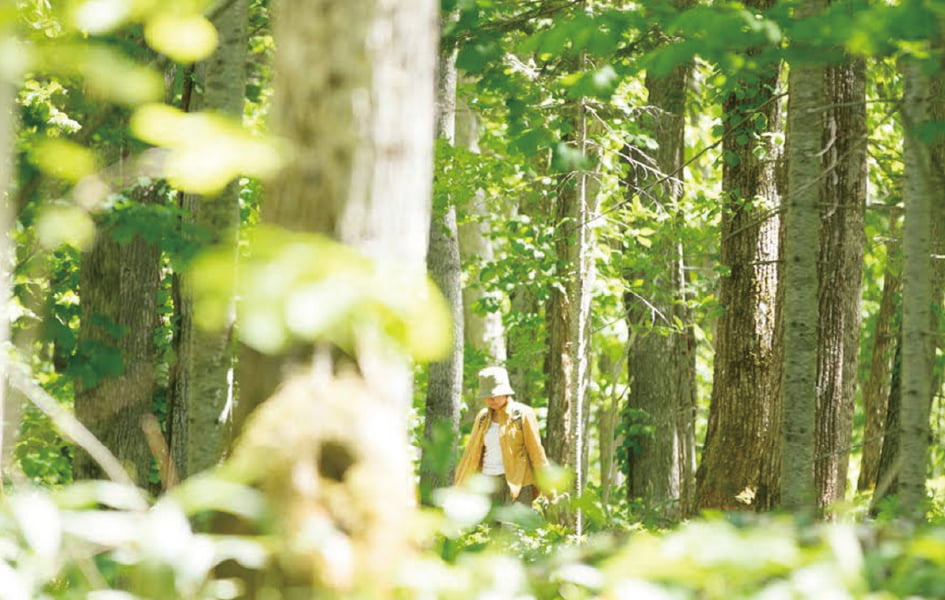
<point x="183" y="38"/>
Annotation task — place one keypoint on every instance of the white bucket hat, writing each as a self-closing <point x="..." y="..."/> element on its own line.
<point x="494" y="381"/>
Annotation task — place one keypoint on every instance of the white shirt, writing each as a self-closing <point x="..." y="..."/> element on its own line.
<point x="492" y="455"/>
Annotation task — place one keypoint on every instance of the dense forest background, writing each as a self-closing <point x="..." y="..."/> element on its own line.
<point x="254" y="254"/>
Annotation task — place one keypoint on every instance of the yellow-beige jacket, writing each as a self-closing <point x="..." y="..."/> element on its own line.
<point x="522" y="452"/>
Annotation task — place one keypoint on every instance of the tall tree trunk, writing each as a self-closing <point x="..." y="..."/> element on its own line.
<point x="560" y="315"/>
<point x="360" y="168"/>
<point x="445" y="382"/>
<point x="842" y="241"/>
<point x="484" y="334"/>
<point x="353" y="94"/>
<point x="742" y="443"/>
<point x="202" y="386"/>
<point x="801" y="248"/>
<point x="917" y="341"/>
<point x="662" y="463"/>
<point x="118" y="288"/>
<point x="876" y="392"/>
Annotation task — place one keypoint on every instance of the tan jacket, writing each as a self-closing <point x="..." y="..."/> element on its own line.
<point x="522" y="452"/>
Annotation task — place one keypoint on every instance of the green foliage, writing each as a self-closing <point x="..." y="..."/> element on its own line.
<point x="295" y="287"/>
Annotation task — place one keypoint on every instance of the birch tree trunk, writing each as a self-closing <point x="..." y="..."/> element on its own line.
<point x="202" y="386"/>
<point x="741" y="450"/>
<point x="840" y="265"/>
<point x="483" y="333"/>
<point x="917" y="341"/>
<point x="445" y="381"/>
<point x="801" y="247"/>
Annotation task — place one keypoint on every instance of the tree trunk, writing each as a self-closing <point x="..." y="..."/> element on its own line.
<point x="741" y="449"/>
<point x="560" y="314"/>
<point x="840" y="266"/>
<point x="887" y="471"/>
<point x="353" y="93"/>
<point x="917" y="340"/>
<point x="202" y="385"/>
<point x="484" y="334"/>
<point x="118" y="284"/>
<point x="661" y="464"/>
<point x="445" y="381"/>
<point x="801" y="247"/>
<point x="876" y="392"/>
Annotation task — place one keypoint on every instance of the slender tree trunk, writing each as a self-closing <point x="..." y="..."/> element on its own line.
<point x="202" y="386"/>
<point x="118" y="284"/>
<point x="742" y="444"/>
<point x="887" y="471"/>
<point x="801" y="247"/>
<point x="662" y="464"/>
<point x="917" y="340"/>
<point x="608" y="411"/>
<point x="484" y="333"/>
<point x="445" y="382"/>
<point x="842" y="241"/>
<point x="876" y="392"/>
<point x="560" y="316"/>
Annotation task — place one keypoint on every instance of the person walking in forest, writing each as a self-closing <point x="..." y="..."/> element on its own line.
<point x="505" y="443"/>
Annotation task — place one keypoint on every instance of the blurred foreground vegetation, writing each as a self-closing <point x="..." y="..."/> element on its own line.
<point x="101" y="540"/>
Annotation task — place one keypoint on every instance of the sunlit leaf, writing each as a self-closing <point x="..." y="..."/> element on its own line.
<point x="64" y="159"/>
<point x="39" y="520"/>
<point x="206" y="492"/>
<point x="101" y="16"/>
<point x="183" y="38"/>
<point x="462" y="507"/>
<point x="106" y="528"/>
<point x="58" y="225"/>
<point x="116" y="77"/>
<point x="87" y="494"/>
<point x="555" y="479"/>
<point x="207" y="151"/>
<point x="303" y="287"/>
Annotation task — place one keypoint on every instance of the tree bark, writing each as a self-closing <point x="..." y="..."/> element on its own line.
<point x="801" y="248"/>
<point x="485" y="334"/>
<point x="353" y="95"/>
<point x="118" y="284"/>
<point x="917" y="341"/>
<point x="445" y="379"/>
<point x="202" y="386"/>
<point x="840" y="266"/>
<point x="661" y="464"/>
<point x="739" y="462"/>
<point x="560" y="314"/>
<point x="876" y="392"/>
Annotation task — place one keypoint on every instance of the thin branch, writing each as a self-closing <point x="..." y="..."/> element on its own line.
<point x="21" y="378"/>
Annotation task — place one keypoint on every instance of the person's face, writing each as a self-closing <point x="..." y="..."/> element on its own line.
<point x="496" y="402"/>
